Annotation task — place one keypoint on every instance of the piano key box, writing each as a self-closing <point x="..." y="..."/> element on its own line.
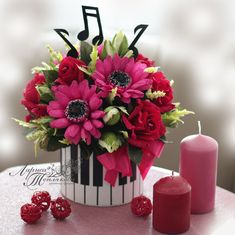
<point x="83" y="181"/>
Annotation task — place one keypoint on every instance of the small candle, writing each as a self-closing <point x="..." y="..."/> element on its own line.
<point x="171" y="205"/>
<point x="198" y="164"/>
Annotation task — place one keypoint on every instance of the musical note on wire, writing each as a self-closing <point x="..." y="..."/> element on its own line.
<point x="72" y="52"/>
<point x="142" y="28"/>
<point x="83" y="35"/>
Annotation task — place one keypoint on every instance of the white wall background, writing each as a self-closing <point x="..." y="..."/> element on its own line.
<point x="193" y="42"/>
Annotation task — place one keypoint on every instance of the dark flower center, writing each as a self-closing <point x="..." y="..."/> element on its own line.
<point x="77" y="110"/>
<point x="119" y="79"/>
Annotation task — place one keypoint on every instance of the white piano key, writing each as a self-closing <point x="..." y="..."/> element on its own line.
<point x="137" y="183"/>
<point x="128" y="188"/>
<point x="104" y="192"/>
<point x="91" y="191"/>
<point x="117" y="192"/>
<point x="79" y="196"/>
<point x="70" y="190"/>
<point x="140" y="184"/>
<point x="62" y="189"/>
<point x="69" y="183"/>
<point x="79" y="189"/>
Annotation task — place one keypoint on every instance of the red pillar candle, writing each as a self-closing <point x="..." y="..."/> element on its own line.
<point x="198" y="165"/>
<point x="171" y="205"/>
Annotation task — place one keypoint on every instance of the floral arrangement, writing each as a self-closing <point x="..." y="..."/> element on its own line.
<point x="107" y="99"/>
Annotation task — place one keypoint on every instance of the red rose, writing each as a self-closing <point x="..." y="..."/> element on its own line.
<point x="145" y="123"/>
<point x="144" y="60"/>
<point x="161" y="83"/>
<point x="69" y="71"/>
<point x="31" y="98"/>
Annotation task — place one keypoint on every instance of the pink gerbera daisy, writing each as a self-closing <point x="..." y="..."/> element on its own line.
<point x="124" y="75"/>
<point x="76" y="109"/>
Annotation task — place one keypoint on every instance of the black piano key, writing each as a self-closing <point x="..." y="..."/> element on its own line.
<point x="97" y="172"/>
<point x="111" y="195"/>
<point x="97" y="195"/>
<point x="85" y="194"/>
<point x="84" y="171"/>
<point x="122" y="180"/>
<point x="74" y="163"/>
<point x="133" y="167"/>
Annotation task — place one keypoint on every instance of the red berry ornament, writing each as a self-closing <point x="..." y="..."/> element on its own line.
<point x="60" y="208"/>
<point x="30" y="213"/>
<point x="41" y="199"/>
<point x="141" y="206"/>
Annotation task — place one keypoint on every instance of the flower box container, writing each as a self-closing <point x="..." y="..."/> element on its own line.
<point x="83" y="181"/>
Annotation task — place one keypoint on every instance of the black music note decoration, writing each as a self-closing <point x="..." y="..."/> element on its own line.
<point x="72" y="52"/>
<point x="132" y="47"/>
<point x="83" y="35"/>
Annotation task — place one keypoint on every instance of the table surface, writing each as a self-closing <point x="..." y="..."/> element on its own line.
<point x="18" y="184"/>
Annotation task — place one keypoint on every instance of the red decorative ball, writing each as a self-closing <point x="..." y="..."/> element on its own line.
<point x="42" y="199"/>
<point x="60" y="208"/>
<point x="30" y="213"/>
<point x="141" y="206"/>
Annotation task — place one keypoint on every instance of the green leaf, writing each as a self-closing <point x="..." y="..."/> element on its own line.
<point x="35" y="134"/>
<point x="135" y="153"/>
<point x="64" y="141"/>
<point x="173" y="117"/>
<point x="164" y="140"/>
<point x="123" y="109"/>
<point x="39" y="137"/>
<point x="44" y="67"/>
<point x="112" y="95"/>
<point x="123" y="49"/>
<point x="36" y="147"/>
<point x="54" y="143"/>
<point x="38" y="69"/>
<point x="54" y="55"/>
<point x="104" y="52"/>
<point x="45" y="93"/>
<point x="120" y="45"/>
<point x="94" y="57"/>
<point x="42" y="120"/>
<point x="85" y="52"/>
<point x="50" y="75"/>
<point x="110" y="141"/>
<point x="112" y="115"/>
<point x="109" y="48"/>
<point x="84" y="70"/>
<point x="125" y="134"/>
<point x="117" y="40"/>
<point x="25" y="124"/>
<point x="129" y="54"/>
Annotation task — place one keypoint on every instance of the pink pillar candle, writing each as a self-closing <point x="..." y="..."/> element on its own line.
<point x="198" y="165"/>
<point x="171" y="205"/>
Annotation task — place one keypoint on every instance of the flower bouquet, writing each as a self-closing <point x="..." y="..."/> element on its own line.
<point x="107" y="111"/>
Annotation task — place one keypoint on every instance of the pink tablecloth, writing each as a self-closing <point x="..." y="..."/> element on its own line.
<point x="16" y="189"/>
